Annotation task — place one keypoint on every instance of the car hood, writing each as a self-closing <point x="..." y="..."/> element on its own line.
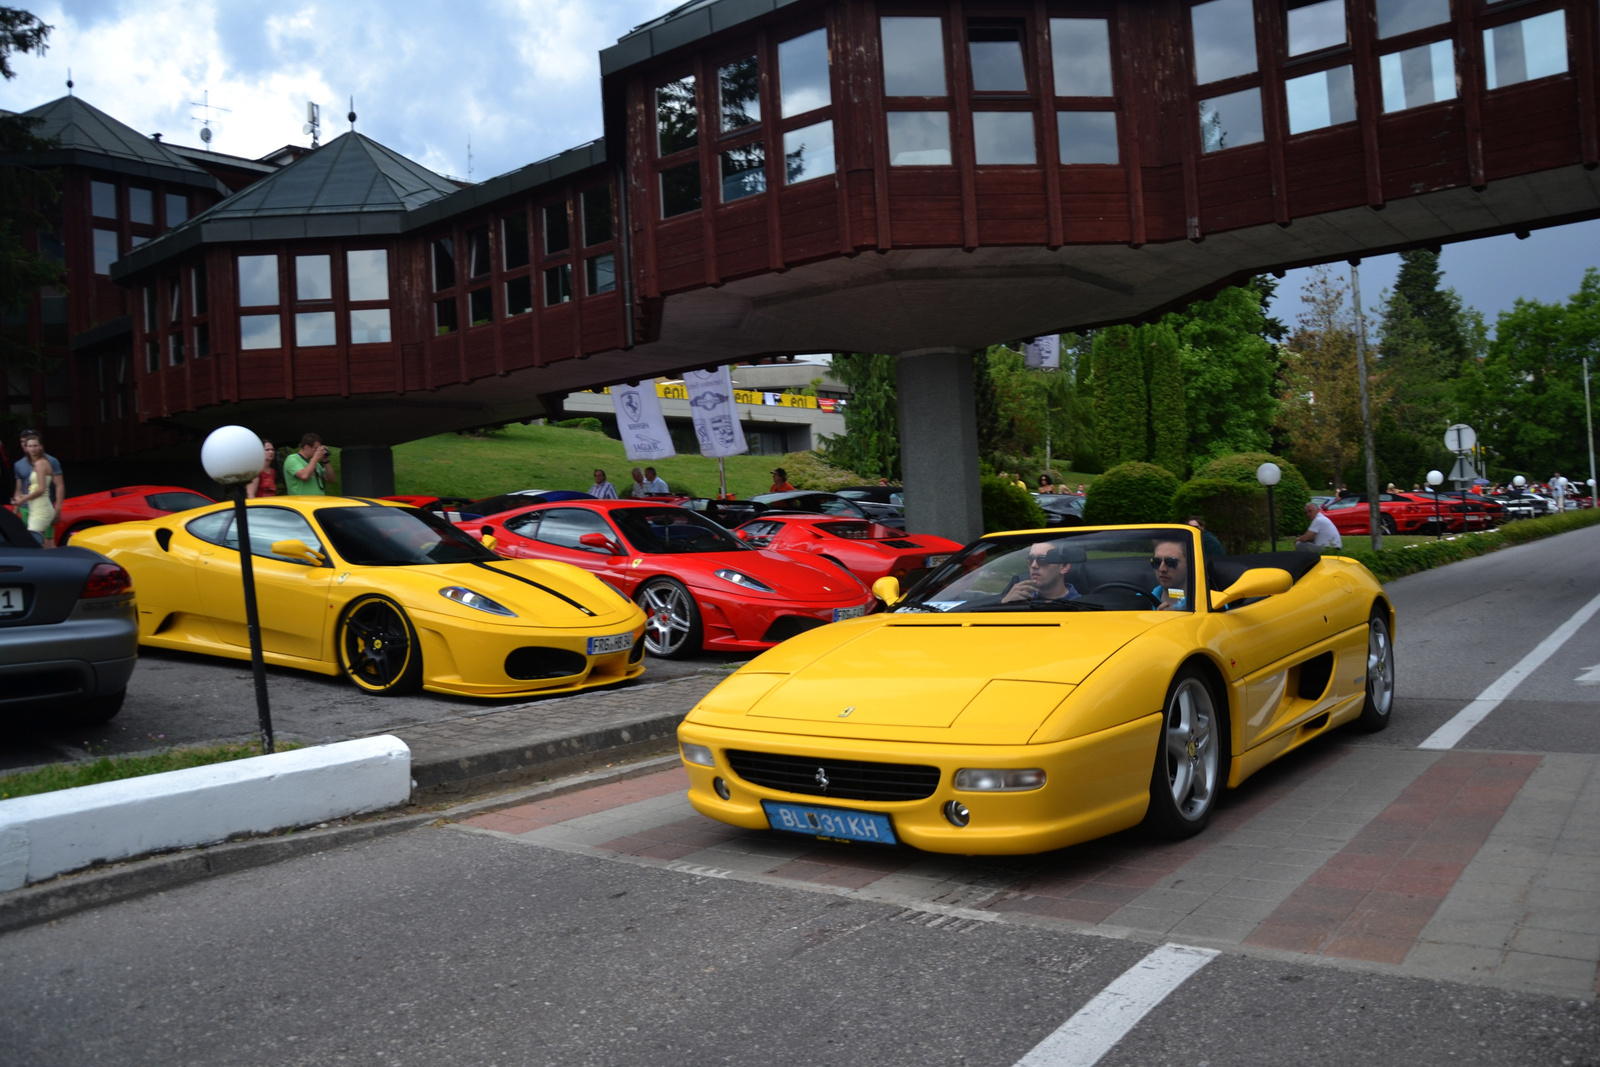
<point x="541" y="592"/>
<point x="791" y="575"/>
<point x="969" y="679"/>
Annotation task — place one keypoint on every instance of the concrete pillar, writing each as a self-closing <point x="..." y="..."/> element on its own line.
<point x="366" y="470"/>
<point x="939" y="443"/>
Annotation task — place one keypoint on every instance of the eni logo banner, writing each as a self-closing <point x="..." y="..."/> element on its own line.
<point x="677" y="391"/>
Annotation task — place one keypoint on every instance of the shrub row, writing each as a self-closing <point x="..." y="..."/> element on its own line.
<point x="1399" y="562"/>
<point x="1224" y="492"/>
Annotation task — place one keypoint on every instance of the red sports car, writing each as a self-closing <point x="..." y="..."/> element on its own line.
<point x="124" y="505"/>
<point x="700" y="586"/>
<point x="868" y="550"/>
<point x="1405" y="513"/>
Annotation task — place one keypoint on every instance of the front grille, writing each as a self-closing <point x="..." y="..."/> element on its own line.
<point x="787" y="626"/>
<point x="847" y="779"/>
<point x="531" y="663"/>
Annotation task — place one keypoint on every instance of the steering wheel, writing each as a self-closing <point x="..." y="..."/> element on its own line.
<point x="1155" y="601"/>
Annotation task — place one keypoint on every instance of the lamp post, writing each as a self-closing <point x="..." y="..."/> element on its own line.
<point x="233" y="456"/>
<point x="1588" y="417"/>
<point x="1435" y="478"/>
<point x="1269" y="474"/>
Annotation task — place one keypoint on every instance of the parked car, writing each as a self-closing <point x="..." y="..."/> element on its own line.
<point x="79" y="513"/>
<point x="700" y="586"/>
<point x="1398" y="513"/>
<point x="868" y="550"/>
<point x="1477" y="512"/>
<point x="1060" y="509"/>
<point x="728" y="513"/>
<point x="69" y="631"/>
<point x="879" y="500"/>
<point x="833" y="504"/>
<point x="1521" y="504"/>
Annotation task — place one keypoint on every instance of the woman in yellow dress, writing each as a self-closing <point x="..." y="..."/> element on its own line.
<point x="41" y="513"/>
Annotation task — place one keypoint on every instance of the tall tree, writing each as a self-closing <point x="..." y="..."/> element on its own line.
<point x="870" y="444"/>
<point x="23" y="188"/>
<point x="1229" y="369"/>
<point x="1321" y="392"/>
<point x="1121" y="400"/>
<point x="1169" y="424"/>
<point x="990" y="422"/>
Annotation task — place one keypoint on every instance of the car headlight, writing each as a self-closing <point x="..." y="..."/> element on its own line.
<point x="698" y="754"/>
<point x="739" y="578"/>
<point x="973" y="780"/>
<point x="468" y="598"/>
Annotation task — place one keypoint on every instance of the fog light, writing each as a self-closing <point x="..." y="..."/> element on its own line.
<point x="998" y="781"/>
<point x="957" y="813"/>
<point x="721" y="787"/>
<point x="699" y="754"/>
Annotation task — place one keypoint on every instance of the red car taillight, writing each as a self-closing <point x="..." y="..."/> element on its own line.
<point x="107" y="579"/>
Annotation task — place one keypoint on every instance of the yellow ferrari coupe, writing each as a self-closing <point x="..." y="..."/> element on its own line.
<point x="394" y="598"/>
<point x="1044" y="688"/>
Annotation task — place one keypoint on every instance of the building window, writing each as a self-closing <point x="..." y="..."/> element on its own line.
<point x="175" y="349"/>
<point x="480" y="306"/>
<point x="105" y="250"/>
<point x="177" y="209"/>
<point x="151" y="322"/>
<point x="558" y="285"/>
<point x="314" y="329"/>
<point x="1087" y="136"/>
<point x="913" y="56"/>
<point x="369" y="326"/>
<point x="519" y="295"/>
<point x="739" y="94"/>
<point x="803" y="76"/>
<point x="919" y="138"/>
<point x="141" y="206"/>
<point x="259" y="331"/>
<point x="1315" y="26"/>
<point x="677" y="121"/>
<point x="152" y="355"/>
<point x="1523" y="51"/>
<point x="198" y="289"/>
<point x="995" y="49"/>
<point x="479" y="263"/>
<point x="744" y="171"/>
<point x="202" y="340"/>
<point x="367" y="273"/>
<point x="444" y="263"/>
<point x="1417" y="76"/>
<point x="444" y="317"/>
<point x="1004" y="138"/>
<point x="313" y="277"/>
<point x="808" y="153"/>
<point x="514" y="242"/>
<point x="1403" y="16"/>
<point x="601" y="274"/>
<point x="1224" y="39"/>
<point x="680" y="190"/>
<point x="1080" y="51"/>
<point x="258" y="281"/>
<point x="1326" y="98"/>
<point x="1230" y="120"/>
<point x="556" y="234"/>
<point x="596" y="215"/>
<point x="103" y="200"/>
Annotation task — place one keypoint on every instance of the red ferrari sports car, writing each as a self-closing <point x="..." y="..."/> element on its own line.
<point x="1405" y="513"/>
<point x="124" y="505"/>
<point x="700" y="586"/>
<point x="868" y="550"/>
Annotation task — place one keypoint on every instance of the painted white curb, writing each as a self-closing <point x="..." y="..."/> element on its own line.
<point x="44" y="835"/>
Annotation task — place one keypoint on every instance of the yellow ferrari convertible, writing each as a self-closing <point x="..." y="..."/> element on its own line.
<point x="394" y="598"/>
<point x="1041" y="689"/>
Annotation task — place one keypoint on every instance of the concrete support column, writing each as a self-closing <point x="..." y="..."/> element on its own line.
<point x="366" y="470"/>
<point x="939" y="443"/>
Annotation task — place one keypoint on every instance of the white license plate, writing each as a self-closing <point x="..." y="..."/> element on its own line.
<point x="934" y="561"/>
<point x="599" y="646"/>
<point x="840" y="614"/>
<point x="11" y="602"/>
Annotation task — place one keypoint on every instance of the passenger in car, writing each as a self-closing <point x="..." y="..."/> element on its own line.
<point x="1171" y="564"/>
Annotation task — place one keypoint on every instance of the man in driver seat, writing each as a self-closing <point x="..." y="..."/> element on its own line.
<point x="1048" y="564"/>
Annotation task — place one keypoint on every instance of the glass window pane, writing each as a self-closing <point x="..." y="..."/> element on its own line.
<point x="1087" y="136"/>
<point x="151" y="324"/>
<point x="558" y="285"/>
<point x="480" y="306"/>
<point x="259" y="331"/>
<point x="803" y="76"/>
<point x="913" y="56"/>
<point x="177" y="208"/>
<point x="1230" y="120"/>
<point x="514" y="241"/>
<point x="313" y="277"/>
<point x="1080" y="51"/>
<point x="996" y="53"/>
<point x="444" y="263"/>
<point x="175" y="350"/>
<point x="601" y="274"/>
<point x="141" y="206"/>
<point x="808" y="153"/>
<point x="103" y="195"/>
<point x="368" y="270"/>
<point x="1224" y="39"/>
<point x="739" y="91"/>
<point x="1314" y="27"/>
<point x="1403" y="16"/>
<point x="197" y="285"/>
<point x="1004" y="137"/>
<point x="202" y="340"/>
<point x="677" y="122"/>
<point x="680" y="190"/>
<point x="1523" y="51"/>
<point x="136" y="240"/>
<point x="1422" y="75"/>
<point x="744" y="172"/>
<point x="596" y="215"/>
<point x="919" y="139"/>
<point x="369" y="326"/>
<point x="444" y="316"/>
<point x="105" y="250"/>
<point x="258" y="281"/>
<point x="174" y="299"/>
<point x="519" y="295"/>
<point x="556" y="235"/>
<point x="312" y="328"/>
<point x="478" y="263"/>
<point x="1325" y="98"/>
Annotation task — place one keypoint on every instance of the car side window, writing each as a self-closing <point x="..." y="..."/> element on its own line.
<point x="839" y="506"/>
<point x="563" y="526"/>
<point x="526" y="525"/>
<point x="270" y="525"/>
<point x="213" y="528"/>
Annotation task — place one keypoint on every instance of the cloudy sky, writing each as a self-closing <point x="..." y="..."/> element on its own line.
<point x="520" y="78"/>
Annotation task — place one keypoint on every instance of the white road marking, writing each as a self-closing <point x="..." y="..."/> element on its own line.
<point x="1451" y="733"/>
<point x="1590" y="676"/>
<point x="1083" y="1039"/>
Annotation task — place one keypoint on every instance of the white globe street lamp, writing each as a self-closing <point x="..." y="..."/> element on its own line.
<point x="232" y="456"/>
<point x="1519" y="481"/>
<point x="1435" y="478"/>
<point x="1269" y="475"/>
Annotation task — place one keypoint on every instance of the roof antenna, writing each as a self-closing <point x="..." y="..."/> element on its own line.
<point x="205" y="105"/>
<point x="69" y="81"/>
<point x="352" y="115"/>
<point x="313" y="124"/>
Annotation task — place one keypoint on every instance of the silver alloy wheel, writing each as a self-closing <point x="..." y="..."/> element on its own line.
<point x="669" y="616"/>
<point x="1192" y="749"/>
<point x="1380" y="666"/>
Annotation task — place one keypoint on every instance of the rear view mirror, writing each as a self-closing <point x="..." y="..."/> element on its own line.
<point x="295" y="548"/>
<point x="599" y="540"/>
<point x="1259" y="581"/>
<point x="887" y="589"/>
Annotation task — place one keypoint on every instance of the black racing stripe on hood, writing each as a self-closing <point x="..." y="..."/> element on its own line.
<point x="536" y="585"/>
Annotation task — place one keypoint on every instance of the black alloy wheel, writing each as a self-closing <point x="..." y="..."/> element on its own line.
<point x="378" y="647"/>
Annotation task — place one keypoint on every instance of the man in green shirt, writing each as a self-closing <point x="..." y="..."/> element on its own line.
<point x="306" y="472"/>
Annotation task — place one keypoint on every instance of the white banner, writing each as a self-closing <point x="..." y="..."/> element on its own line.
<point x="639" y="421"/>
<point x="715" y="421"/>
<point x="1043" y="352"/>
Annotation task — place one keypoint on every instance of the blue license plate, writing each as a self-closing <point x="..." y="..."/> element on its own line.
<point x="830" y="822"/>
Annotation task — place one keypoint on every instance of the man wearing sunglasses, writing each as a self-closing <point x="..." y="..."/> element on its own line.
<point x="1171" y="564"/>
<point x="1048" y="564"/>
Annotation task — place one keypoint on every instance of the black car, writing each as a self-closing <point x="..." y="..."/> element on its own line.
<point x="725" y="513"/>
<point x="69" y="633"/>
<point x="1060" y="509"/>
<point x="814" y="503"/>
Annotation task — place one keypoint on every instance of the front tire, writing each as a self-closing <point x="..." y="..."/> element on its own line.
<point x="1380" y="675"/>
<point x="672" y="628"/>
<point x="378" y="647"/>
<point x="1388" y="526"/>
<point x="1190" y="767"/>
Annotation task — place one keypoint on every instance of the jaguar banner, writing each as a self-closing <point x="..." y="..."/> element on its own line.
<point x="716" y="422"/>
<point x="1043" y="352"/>
<point x="639" y="421"/>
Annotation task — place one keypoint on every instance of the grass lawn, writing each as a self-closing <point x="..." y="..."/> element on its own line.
<point x="114" y="768"/>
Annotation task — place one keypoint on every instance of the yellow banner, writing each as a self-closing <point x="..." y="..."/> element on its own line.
<point x="677" y="391"/>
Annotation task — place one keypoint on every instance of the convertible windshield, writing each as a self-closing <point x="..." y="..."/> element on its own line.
<point x="397" y="537"/>
<point x="669" y="529"/>
<point x="1101" y="570"/>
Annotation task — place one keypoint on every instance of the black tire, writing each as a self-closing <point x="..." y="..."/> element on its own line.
<point x="378" y="647"/>
<point x="1191" y="766"/>
<point x="672" y="628"/>
<point x="1380" y="674"/>
<point x="94" y="711"/>
<point x="1386" y="522"/>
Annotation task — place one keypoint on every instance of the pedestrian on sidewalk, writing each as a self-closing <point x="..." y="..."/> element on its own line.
<point x="265" y="483"/>
<point x="306" y="472"/>
<point x="36" y="493"/>
<point x="780" y="481"/>
<point x="654" y="486"/>
<point x="1559" y="488"/>
<point x="602" y="489"/>
<point x="23" y="468"/>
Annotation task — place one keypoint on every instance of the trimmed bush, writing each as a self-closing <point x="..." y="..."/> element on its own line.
<point x="1005" y="507"/>
<point x="1399" y="562"/>
<point x="585" y="423"/>
<point x="1129" y="494"/>
<point x="811" y="470"/>
<point x="1290" y="496"/>
<point x="1232" y="511"/>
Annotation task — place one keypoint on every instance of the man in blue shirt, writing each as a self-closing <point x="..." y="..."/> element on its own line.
<point x="1171" y="564"/>
<point x="1048" y="564"/>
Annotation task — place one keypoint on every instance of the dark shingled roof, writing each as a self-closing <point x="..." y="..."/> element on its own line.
<point x="85" y="136"/>
<point x="682" y="25"/>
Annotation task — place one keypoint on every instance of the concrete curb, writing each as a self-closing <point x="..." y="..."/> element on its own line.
<point x="94" y="888"/>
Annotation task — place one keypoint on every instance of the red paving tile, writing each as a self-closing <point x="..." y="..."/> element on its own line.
<point x="1373" y="899"/>
<point x="584" y="802"/>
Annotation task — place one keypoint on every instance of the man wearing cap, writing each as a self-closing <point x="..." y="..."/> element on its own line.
<point x="1048" y="564"/>
<point x="780" y="481"/>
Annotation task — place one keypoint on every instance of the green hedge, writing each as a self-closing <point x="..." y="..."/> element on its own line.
<point x="1399" y="562"/>
<point x="1289" y="498"/>
<point x="585" y="423"/>
<point x="1129" y="494"/>
<point x="1234" y="512"/>
<point x="1005" y="507"/>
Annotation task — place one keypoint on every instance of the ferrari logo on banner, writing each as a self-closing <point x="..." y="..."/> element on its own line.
<point x="716" y="422"/>
<point x="640" y="423"/>
<point x="1043" y="352"/>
